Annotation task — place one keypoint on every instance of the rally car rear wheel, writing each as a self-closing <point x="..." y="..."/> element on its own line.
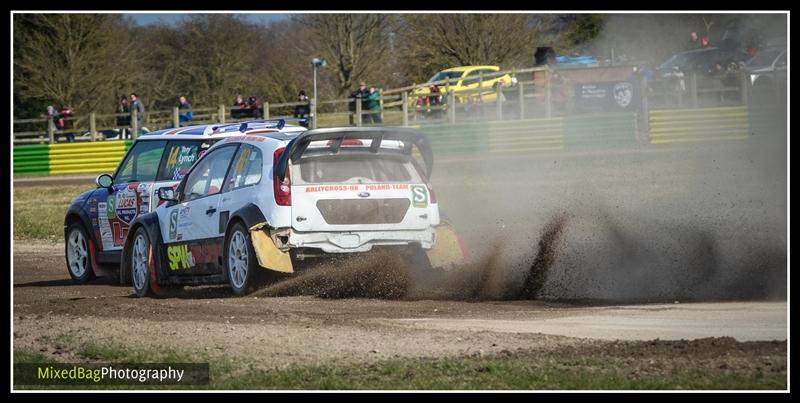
<point x="140" y="267"/>
<point x="79" y="262"/>
<point x="240" y="261"/>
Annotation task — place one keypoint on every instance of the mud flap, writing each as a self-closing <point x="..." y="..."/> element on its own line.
<point x="449" y="250"/>
<point x="269" y="256"/>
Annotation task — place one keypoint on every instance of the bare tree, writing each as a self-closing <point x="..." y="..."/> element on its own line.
<point x="354" y="44"/>
<point x="75" y="59"/>
<point x="431" y="42"/>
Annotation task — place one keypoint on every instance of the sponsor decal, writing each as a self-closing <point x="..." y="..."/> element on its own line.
<point x="179" y="257"/>
<point x="127" y="205"/>
<point x="187" y="256"/>
<point x="357" y="188"/>
<point x="334" y="188"/>
<point x="419" y="195"/>
<point x="184" y="221"/>
<point x="180" y="160"/>
<point x="394" y="186"/>
<point x="94" y="222"/>
<point x="623" y="93"/>
<point x="173" y="224"/>
<point x="111" y="211"/>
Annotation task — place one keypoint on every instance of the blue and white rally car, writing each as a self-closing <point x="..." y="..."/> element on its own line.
<point x="255" y="203"/>
<point x="98" y="221"/>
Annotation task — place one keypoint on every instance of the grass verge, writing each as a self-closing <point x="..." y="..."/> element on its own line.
<point x="512" y="371"/>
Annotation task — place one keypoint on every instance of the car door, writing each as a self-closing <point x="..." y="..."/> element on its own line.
<point x="245" y="173"/>
<point x="129" y="195"/>
<point x="190" y="228"/>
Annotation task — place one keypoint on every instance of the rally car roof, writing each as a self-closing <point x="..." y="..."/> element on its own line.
<point x="276" y="128"/>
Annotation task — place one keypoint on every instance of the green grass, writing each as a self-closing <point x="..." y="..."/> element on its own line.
<point x="39" y="211"/>
<point x="519" y="371"/>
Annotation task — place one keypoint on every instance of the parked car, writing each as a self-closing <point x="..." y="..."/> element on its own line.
<point x="701" y="61"/>
<point x="97" y="222"/>
<point x="256" y="204"/>
<point x="465" y="83"/>
<point x="767" y="65"/>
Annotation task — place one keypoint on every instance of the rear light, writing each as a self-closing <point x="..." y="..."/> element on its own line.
<point x="433" y="194"/>
<point x="282" y="189"/>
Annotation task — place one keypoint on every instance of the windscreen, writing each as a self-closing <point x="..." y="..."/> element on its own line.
<point x="357" y="169"/>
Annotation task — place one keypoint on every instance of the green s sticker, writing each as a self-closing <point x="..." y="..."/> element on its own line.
<point x="419" y="196"/>
<point x="111" y="205"/>
<point x="173" y="224"/>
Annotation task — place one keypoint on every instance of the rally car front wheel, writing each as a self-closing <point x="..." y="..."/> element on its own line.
<point x="241" y="264"/>
<point x="79" y="262"/>
<point x="139" y="261"/>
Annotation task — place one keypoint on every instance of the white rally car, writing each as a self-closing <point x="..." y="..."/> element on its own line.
<point x="257" y="203"/>
<point x="97" y="222"/>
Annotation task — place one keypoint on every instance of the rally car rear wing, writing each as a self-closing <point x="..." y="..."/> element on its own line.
<point x="336" y="136"/>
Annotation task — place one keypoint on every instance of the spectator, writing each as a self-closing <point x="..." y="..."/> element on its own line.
<point x="694" y="42"/>
<point x="359" y="95"/>
<point x="239" y="109"/>
<point x="706" y="42"/>
<point x="254" y="106"/>
<point x="374" y="105"/>
<point x="52" y="115"/>
<point x="123" y="119"/>
<point x="434" y="102"/>
<point x="185" y="111"/>
<point x="124" y="113"/>
<point x="136" y="105"/>
<point x="300" y="111"/>
<point x="65" y="122"/>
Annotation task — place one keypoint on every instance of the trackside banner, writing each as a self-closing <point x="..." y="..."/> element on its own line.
<point x="111" y="374"/>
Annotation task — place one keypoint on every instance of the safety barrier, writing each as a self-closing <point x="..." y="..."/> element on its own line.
<point x="688" y="125"/>
<point x="511" y="136"/>
<point x="70" y="157"/>
<point x="531" y="135"/>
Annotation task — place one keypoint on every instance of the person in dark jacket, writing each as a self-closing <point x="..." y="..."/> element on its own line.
<point x="300" y="111"/>
<point x="138" y="106"/>
<point x="65" y="122"/>
<point x="239" y="109"/>
<point x="254" y="105"/>
<point x="185" y="111"/>
<point x="359" y="95"/>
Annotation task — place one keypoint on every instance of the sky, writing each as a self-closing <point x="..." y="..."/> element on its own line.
<point x="146" y="19"/>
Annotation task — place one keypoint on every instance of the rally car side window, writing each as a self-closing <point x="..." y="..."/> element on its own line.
<point x="208" y="175"/>
<point x="180" y="156"/>
<point x="246" y="168"/>
<point x="142" y="162"/>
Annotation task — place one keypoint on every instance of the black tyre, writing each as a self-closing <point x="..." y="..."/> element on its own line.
<point x="138" y="259"/>
<point x="241" y="265"/>
<point x="76" y="251"/>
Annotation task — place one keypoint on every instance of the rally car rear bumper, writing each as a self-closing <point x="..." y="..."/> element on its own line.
<point x="357" y="241"/>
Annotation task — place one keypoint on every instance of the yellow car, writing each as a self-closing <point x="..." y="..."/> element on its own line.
<point x="465" y="83"/>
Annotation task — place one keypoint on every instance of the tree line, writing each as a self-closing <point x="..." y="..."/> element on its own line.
<point x="88" y="61"/>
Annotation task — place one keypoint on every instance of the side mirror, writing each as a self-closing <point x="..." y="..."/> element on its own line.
<point x="104" y="181"/>
<point x="167" y="193"/>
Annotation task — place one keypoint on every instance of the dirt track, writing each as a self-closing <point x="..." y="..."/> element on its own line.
<point x="640" y="227"/>
<point x="310" y="330"/>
